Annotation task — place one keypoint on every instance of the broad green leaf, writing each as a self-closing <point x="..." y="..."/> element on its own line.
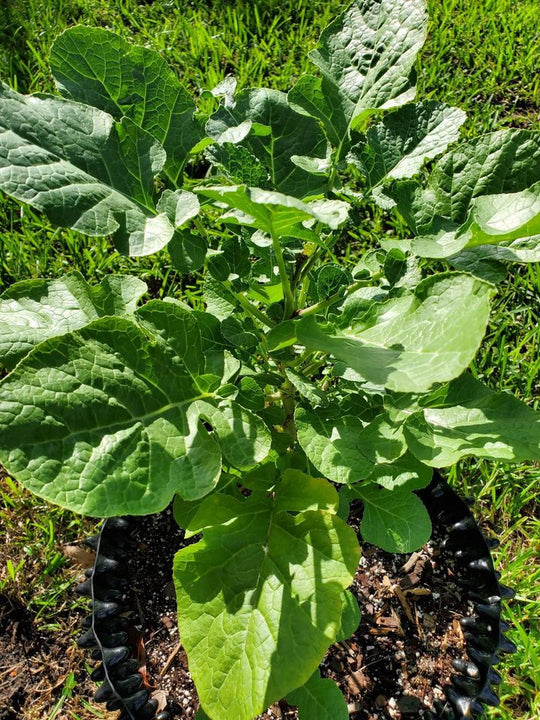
<point x="242" y="335"/>
<point x="83" y="169"/>
<point x="469" y="419"/>
<point x="319" y="699"/>
<point x="341" y="448"/>
<point x="220" y="301"/>
<point x="179" y="206"/>
<point x="510" y="222"/>
<point x="415" y="340"/>
<point x="273" y="212"/>
<point x="329" y="279"/>
<point x="320" y="99"/>
<point x="506" y="161"/>
<point x="99" y="68"/>
<point x="306" y="388"/>
<point x="350" y="616"/>
<point x="35" y="310"/>
<point x="99" y="421"/>
<point x="187" y="251"/>
<point x="300" y="492"/>
<point x="242" y="436"/>
<point x="259" y="597"/>
<point x="239" y="164"/>
<point x="394" y="520"/>
<point x="403" y="472"/>
<point x="251" y="395"/>
<point x="502" y="220"/>
<point x="287" y="134"/>
<point x="368" y="53"/>
<point x="483" y="263"/>
<point x="399" y="146"/>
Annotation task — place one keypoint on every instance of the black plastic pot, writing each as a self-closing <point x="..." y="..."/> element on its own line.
<point x="107" y="629"/>
<point x="473" y="685"/>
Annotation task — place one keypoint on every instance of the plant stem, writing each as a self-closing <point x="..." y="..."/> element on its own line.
<point x="289" y="405"/>
<point x="252" y="310"/>
<point x="287" y="291"/>
<point x="323" y="304"/>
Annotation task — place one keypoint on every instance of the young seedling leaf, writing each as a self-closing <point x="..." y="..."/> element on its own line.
<point x="288" y="134"/>
<point x="259" y="598"/>
<point x="97" y="67"/>
<point x="34" y="310"/>
<point x="83" y="169"/>
<point x="394" y="520"/>
<point x="418" y="339"/>
<point x="469" y="419"/>
<point x="399" y="146"/>
<point x="319" y="699"/>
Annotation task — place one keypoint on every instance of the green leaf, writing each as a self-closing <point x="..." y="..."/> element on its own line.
<point x="242" y="436"/>
<point x="179" y="206"/>
<point x="259" y="597"/>
<point x="34" y="310"/>
<point x="99" y="68"/>
<point x="403" y="472"/>
<point x="415" y="340"/>
<point x="503" y="219"/>
<point x="320" y="99"/>
<point x="220" y="301"/>
<point x="306" y="388"/>
<point x="506" y="161"/>
<point x="287" y="134"/>
<point x="350" y="616"/>
<point x="394" y="520"/>
<point x="399" y="146"/>
<point x="100" y="421"/>
<point x="240" y="334"/>
<point x="107" y="420"/>
<point x="469" y="419"/>
<point x="83" y="169"/>
<point x="187" y="251"/>
<point x="319" y="699"/>
<point x="239" y="164"/>
<point x="273" y="212"/>
<point x="479" y="262"/>
<point x="341" y="448"/>
<point x="368" y="54"/>
<point x="251" y="395"/>
<point x="329" y="279"/>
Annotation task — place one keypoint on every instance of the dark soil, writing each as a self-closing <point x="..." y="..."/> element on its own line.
<point x="394" y="666"/>
<point x="35" y="662"/>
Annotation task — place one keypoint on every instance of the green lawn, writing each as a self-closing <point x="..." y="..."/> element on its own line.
<point x="482" y="55"/>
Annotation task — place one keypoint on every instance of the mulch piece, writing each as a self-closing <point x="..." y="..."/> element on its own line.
<point x="394" y="666"/>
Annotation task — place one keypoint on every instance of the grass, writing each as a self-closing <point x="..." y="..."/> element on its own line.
<point x="481" y="55"/>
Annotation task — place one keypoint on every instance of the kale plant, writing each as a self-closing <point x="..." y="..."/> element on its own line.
<point x="305" y="380"/>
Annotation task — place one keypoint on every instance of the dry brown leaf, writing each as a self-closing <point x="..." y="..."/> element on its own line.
<point x="79" y="555"/>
